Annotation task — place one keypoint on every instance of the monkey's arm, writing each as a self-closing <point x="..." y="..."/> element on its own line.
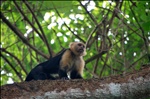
<point x="77" y="72"/>
<point x="65" y="65"/>
<point x="63" y="74"/>
<point x="75" y="75"/>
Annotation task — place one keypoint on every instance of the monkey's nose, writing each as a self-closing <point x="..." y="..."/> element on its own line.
<point x="82" y="47"/>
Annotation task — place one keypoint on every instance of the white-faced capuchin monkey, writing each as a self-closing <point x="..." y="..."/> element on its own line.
<point x="69" y="60"/>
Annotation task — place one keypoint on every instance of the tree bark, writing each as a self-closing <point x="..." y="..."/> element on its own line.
<point x="135" y="85"/>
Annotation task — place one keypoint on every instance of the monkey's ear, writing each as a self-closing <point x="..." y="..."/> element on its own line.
<point x="70" y="44"/>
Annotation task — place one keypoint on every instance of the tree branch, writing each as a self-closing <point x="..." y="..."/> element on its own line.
<point x="15" y="70"/>
<point x="43" y="35"/>
<point x="91" y="16"/>
<point x="4" y="50"/>
<point x="19" y="34"/>
<point x="105" y="62"/>
<point x="134" y="63"/>
<point x="134" y="85"/>
<point x="25" y="18"/>
<point x="68" y="26"/>
<point x="144" y="37"/>
<point x="96" y="56"/>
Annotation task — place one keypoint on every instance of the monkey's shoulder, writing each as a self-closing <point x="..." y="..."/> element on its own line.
<point x="53" y="62"/>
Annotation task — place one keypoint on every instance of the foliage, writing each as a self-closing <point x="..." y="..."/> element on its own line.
<point x="117" y="35"/>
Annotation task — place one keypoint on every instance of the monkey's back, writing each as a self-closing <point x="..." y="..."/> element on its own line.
<point x="52" y="65"/>
<point x="47" y="67"/>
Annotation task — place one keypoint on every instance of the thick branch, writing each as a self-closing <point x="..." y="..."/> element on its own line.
<point x="134" y="85"/>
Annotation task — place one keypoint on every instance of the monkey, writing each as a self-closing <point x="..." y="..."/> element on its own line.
<point x="68" y="61"/>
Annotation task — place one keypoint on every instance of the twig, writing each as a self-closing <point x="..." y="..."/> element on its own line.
<point x="17" y="73"/>
<point x="58" y="39"/>
<point x="95" y="56"/>
<point x="128" y="35"/>
<point x="68" y="26"/>
<point x="100" y="75"/>
<point x="128" y="25"/>
<point x="113" y="68"/>
<point x="133" y="64"/>
<point x="91" y="16"/>
<point x="19" y="34"/>
<point x="4" y="50"/>
<point x="113" y="16"/>
<point x="90" y="36"/>
<point x="144" y="37"/>
<point x="43" y="35"/>
<point x="95" y="66"/>
<point x="25" y="18"/>
<point x="93" y="74"/>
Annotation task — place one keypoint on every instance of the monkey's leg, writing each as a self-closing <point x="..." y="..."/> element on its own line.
<point x="75" y="75"/>
<point x="63" y="74"/>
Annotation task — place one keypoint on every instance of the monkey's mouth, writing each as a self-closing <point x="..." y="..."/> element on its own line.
<point x="81" y="50"/>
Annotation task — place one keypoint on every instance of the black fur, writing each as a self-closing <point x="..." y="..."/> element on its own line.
<point x="74" y="75"/>
<point x="43" y="70"/>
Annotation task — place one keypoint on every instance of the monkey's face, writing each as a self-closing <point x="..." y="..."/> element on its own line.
<point x="78" y="48"/>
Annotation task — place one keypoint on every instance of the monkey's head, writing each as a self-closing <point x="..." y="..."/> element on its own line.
<point x="78" y="48"/>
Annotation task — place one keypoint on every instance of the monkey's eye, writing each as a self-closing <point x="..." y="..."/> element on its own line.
<point x="79" y="44"/>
